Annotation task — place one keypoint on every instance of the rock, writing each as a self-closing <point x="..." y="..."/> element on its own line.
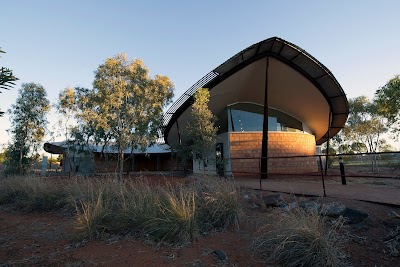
<point x="221" y="255"/>
<point x="334" y="209"/>
<point x="272" y="200"/>
<point x="310" y="206"/>
<point x="391" y="223"/>
<point x="354" y="216"/>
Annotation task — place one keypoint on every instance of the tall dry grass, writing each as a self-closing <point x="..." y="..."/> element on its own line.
<point x="218" y="202"/>
<point x="32" y="193"/>
<point x="299" y="238"/>
<point x="165" y="212"/>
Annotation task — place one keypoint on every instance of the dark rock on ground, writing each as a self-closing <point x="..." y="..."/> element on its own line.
<point x="310" y="206"/>
<point x="221" y="255"/>
<point x="272" y="200"/>
<point x="354" y="216"/>
<point x="334" y="209"/>
<point x="391" y="223"/>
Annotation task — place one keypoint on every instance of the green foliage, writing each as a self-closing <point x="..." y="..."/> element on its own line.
<point x="28" y="124"/>
<point x="365" y="125"/>
<point x="12" y="158"/>
<point x="124" y="107"/>
<point x="7" y="79"/>
<point x="388" y="99"/>
<point x="299" y="238"/>
<point x="201" y="132"/>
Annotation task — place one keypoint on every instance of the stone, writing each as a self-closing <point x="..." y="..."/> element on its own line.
<point x="391" y="223"/>
<point x="221" y="255"/>
<point x="310" y="206"/>
<point x="334" y="209"/>
<point x="272" y="200"/>
<point x="354" y="216"/>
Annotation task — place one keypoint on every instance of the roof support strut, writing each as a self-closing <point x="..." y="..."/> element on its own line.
<point x="264" y="148"/>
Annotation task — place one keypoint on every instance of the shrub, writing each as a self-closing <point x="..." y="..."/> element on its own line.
<point x="299" y="238"/>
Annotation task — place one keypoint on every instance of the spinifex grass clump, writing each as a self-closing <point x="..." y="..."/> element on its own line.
<point x="93" y="216"/>
<point x="166" y="213"/>
<point x="32" y="193"/>
<point x="176" y="216"/>
<point x="218" y="202"/>
<point x="173" y="214"/>
<point x="299" y="238"/>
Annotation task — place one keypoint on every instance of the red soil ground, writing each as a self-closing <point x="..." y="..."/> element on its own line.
<point x="49" y="239"/>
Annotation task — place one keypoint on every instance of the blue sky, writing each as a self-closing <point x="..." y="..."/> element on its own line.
<point x="61" y="43"/>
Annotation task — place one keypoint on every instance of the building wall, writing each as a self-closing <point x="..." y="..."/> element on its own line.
<point x="245" y="152"/>
<point x="152" y="162"/>
<point x="212" y="164"/>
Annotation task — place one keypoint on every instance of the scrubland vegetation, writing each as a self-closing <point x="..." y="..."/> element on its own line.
<point x="167" y="213"/>
<point x="176" y="214"/>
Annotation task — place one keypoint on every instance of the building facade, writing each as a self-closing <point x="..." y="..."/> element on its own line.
<point x="274" y="103"/>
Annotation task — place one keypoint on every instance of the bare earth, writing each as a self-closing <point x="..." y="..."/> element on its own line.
<point x="48" y="239"/>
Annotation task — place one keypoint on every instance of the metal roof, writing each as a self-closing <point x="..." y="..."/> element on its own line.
<point x="59" y="147"/>
<point x="285" y="52"/>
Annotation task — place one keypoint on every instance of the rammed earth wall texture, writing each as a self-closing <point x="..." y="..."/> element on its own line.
<point x="246" y="152"/>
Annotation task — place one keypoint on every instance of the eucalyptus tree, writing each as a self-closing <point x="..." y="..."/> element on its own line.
<point x="126" y="104"/>
<point x="28" y="124"/>
<point x="201" y="132"/>
<point x="365" y="126"/>
<point x="388" y="99"/>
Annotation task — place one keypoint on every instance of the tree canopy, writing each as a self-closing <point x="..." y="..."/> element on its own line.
<point x="28" y="125"/>
<point x="124" y="107"/>
<point x="201" y="132"/>
<point x="388" y="99"/>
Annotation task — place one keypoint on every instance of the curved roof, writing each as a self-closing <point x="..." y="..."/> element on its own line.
<point x="298" y="84"/>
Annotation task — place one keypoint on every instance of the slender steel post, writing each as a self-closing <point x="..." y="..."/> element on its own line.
<point x="322" y="174"/>
<point x="327" y="144"/>
<point x="342" y="173"/>
<point x="179" y="133"/>
<point x="264" y="148"/>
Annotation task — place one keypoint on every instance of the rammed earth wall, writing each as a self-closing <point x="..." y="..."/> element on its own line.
<point x="245" y="152"/>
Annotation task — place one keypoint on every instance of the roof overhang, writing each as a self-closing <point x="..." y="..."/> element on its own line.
<point x="298" y="85"/>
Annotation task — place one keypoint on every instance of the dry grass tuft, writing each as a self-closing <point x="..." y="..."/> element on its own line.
<point x="299" y="238"/>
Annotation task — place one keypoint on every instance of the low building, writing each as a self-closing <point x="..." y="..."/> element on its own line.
<point x="98" y="159"/>
<point x="273" y="100"/>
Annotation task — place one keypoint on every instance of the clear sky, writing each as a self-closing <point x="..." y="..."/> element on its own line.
<point x="60" y="43"/>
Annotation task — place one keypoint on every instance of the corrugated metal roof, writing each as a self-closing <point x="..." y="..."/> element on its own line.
<point x="54" y="147"/>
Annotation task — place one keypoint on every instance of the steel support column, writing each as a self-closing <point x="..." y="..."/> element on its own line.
<point x="264" y="148"/>
<point x="327" y="142"/>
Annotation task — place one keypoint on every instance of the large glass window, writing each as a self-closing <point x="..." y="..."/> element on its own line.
<point x="248" y="117"/>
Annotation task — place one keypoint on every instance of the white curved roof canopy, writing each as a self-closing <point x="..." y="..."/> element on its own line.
<point x="298" y="85"/>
